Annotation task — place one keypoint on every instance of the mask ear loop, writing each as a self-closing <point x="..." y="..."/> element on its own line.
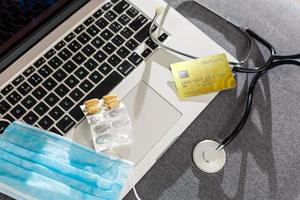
<point x="5" y="121"/>
<point x="131" y="182"/>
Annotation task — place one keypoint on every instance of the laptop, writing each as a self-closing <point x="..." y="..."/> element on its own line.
<point x="55" y="54"/>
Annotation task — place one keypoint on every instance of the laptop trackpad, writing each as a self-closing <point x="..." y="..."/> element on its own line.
<point x="152" y="117"/>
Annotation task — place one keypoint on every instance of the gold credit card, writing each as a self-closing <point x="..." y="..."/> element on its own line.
<point x="203" y="75"/>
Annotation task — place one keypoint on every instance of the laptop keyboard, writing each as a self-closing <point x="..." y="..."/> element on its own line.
<point x="88" y="63"/>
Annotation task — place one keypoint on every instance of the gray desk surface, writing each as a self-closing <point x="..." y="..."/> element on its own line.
<point x="264" y="161"/>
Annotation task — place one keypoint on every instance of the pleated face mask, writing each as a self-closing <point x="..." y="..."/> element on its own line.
<point x="35" y="164"/>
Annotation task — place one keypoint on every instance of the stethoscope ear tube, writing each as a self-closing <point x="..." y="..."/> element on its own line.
<point x="273" y="61"/>
<point x="247" y="110"/>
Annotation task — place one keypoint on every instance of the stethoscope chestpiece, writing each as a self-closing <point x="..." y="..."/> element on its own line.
<point x="207" y="158"/>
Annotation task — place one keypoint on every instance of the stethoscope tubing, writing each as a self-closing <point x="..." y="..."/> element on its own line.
<point x="273" y="61"/>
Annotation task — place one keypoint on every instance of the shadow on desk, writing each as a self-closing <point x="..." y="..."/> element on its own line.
<point x="176" y="167"/>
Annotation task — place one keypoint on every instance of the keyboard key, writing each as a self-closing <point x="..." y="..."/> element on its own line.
<point x="35" y="79"/>
<point x="91" y="64"/>
<point x="81" y="73"/>
<point x="9" y="118"/>
<point x="66" y="104"/>
<point x="88" y="50"/>
<point x="45" y="71"/>
<point x="60" y="45"/>
<point x="138" y="22"/>
<point x="84" y="38"/>
<point x="163" y="37"/>
<point x="114" y="1"/>
<point x="107" y="6"/>
<point x="56" y="113"/>
<point x="69" y="66"/>
<point x="100" y="56"/>
<point x="125" y="68"/>
<point x="55" y="62"/>
<point x="121" y="7"/>
<point x="65" y="124"/>
<point x="49" y="53"/>
<point x="49" y="84"/>
<point x="18" y="80"/>
<point x="124" y="19"/>
<point x="51" y="99"/>
<point x="30" y="118"/>
<point x="70" y="37"/>
<point x="114" y="60"/>
<point x="7" y="89"/>
<point x="143" y="33"/>
<point x="110" y="15"/>
<point x="135" y="59"/>
<point x="79" y="58"/>
<point x="106" y="34"/>
<point x="39" y="62"/>
<point x="151" y="44"/>
<point x="41" y="109"/>
<point x="4" y="107"/>
<point x="109" y="48"/>
<point x="105" y="86"/>
<point x="93" y="30"/>
<point x="61" y="90"/>
<point x="86" y="86"/>
<point x="132" y="12"/>
<point x="54" y="130"/>
<point x="146" y="52"/>
<point x="132" y="44"/>
<point x="118" y="40"/>
<point x="115" y="27"/>
<point x="18" y="111"/>
<point x="28" y="71"/>
<point x="24" y="88"/>
<point x="71" y="81"/>
<point x="59" y="75"/>
<point x="46" y="122"/>
<point x="65" y="54"/>
<point x="79" y="29"/>
<point x="98" y="13"/>
<point x="88" y="21"/>
<point x="105" y="68"/>
<point x="126" y="32"/>
<point x="76" y="95"/>
<point x="95" y="77"/>
<point x="13" y="97"/>
<point x="39" y="93"/>
<point x="102" y="23"/>
<point x="98" y="42"/>
<point x="28" y="102"/>
<point x="123" y="52"/>
<point x="76" y="113"/>
<point x="74" y="46"/>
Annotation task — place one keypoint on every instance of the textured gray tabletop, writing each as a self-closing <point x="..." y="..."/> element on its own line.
<point x="264" y="161"/>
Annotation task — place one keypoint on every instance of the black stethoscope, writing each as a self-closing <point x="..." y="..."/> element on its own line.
<point x="208" y="155"/>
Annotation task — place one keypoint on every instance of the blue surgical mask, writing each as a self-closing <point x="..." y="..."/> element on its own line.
<point x="42" y="165"/>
